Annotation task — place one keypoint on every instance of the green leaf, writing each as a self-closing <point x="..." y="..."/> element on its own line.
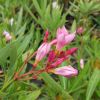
<point x="31" y="96"/>
<point x="8" y="51"/>
<point x="93" y="82"/>
<point x="81" y="76"/>
<point x="19" y="21"/>
<point x="37" y="7"/>
<point x="73" y="28"/>
<point x="24" y="44"/>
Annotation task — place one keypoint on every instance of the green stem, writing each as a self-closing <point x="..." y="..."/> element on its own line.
<point x="6" y="85"/>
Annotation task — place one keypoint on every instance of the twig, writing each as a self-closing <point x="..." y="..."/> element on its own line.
<point x="25" y="62"/>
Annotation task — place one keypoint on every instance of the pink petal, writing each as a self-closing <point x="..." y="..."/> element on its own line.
<point x="64" y="30"/>
<point x="53" y="42"/>
<point x="69" y="38"/>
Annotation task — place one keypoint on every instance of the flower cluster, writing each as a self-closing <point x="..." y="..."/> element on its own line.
<point x="54" y="54"/>
<point x="57" y="56"/>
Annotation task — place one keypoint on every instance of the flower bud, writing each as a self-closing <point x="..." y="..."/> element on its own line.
<point x="81" y="63"/>
<point x="51" y="56"/>
<point x="71" y="51"/>
<point x="59" y="61"/>
<point x="8" y="37"/>
<point x="66" y="71"/>
<point x="42" y="51"/>
<point x="5" y="33"/>
<point x="46" y="36"/>
<point x="80" y="30"/>
<point x="55" y="5"/>
<point x="11" y="21"/>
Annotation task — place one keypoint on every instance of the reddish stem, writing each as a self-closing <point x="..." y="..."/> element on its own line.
<point x="25" y="62"/>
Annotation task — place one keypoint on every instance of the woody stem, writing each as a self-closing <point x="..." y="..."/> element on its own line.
<point x="31" y="72"/>
<point x="25" y="62"/>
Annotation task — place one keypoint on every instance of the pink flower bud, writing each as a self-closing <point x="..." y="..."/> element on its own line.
<point x="59" y="61"/>
<point x="81" y="63"/>
<point x="66" y="71"/>
<point x="63" y="38"/>
<point x="46" y="36"/>
<point x="51" y="56"/>
<point x="42" y="51"/>
<point x="80" y="30"/>
<point x="8" y="37"/>
<point x="71" y="51"/>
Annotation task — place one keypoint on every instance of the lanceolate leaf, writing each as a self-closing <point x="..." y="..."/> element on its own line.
<point x="93" y="82"/>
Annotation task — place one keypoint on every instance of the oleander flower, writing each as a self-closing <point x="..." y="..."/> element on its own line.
<point x="63" y="38"/>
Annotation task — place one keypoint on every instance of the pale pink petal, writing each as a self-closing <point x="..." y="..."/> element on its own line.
<point x="64" y="30"/>
<point x="53" y="42"/>
<point x="69" y="38"/>
<point x="63" y="38"/>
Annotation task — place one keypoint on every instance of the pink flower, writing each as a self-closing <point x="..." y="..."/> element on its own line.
<point x="81" y="63"/>
<point x="8" y="37"/>
<point x="63" y="38"/>
<point x="5" y="33"/>
<point x="66" y="71"/>
<point x="42" y="51"/>
<point x="80" y="30"/>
